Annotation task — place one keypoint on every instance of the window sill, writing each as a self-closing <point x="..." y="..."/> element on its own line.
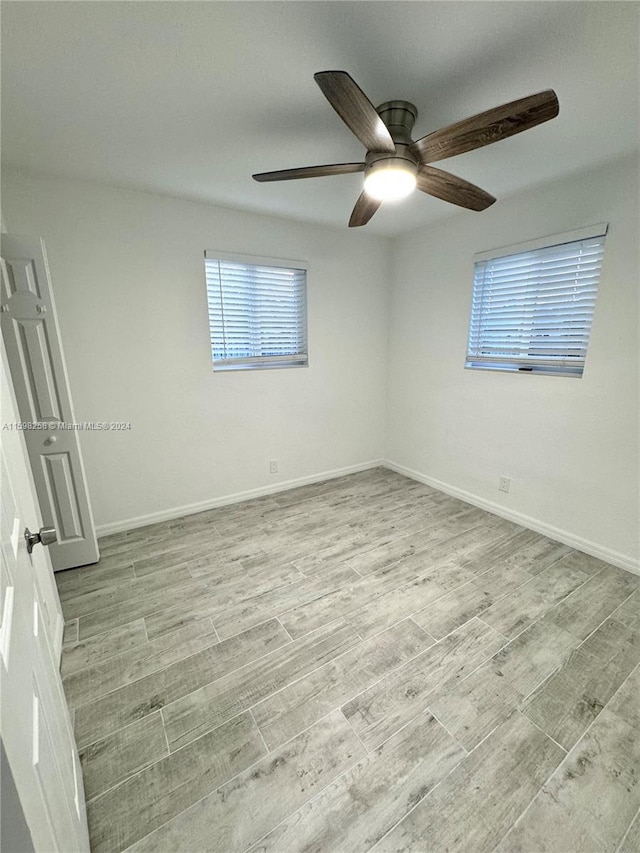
<point x="229" y="368"/>
<point x="567" y="372"/>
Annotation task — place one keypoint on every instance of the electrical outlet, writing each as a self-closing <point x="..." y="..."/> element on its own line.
<point x="504" y="483"/>
<point x="273" y="466"/>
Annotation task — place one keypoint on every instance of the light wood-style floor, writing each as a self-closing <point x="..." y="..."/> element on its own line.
<point x="362" y="664"/>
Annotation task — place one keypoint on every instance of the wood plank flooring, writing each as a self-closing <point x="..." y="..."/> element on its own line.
<point x="361" y="664"/>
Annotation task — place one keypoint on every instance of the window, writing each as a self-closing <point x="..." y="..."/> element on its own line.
<point x="257" y="312"/>
<point x="532" y="304"/>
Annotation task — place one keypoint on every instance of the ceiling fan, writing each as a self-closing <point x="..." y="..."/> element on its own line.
<point x="395" y="165"/>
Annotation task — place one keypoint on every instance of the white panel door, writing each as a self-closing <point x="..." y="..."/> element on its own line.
<point x="31" y="334"/>
<point x="34" y="721"/>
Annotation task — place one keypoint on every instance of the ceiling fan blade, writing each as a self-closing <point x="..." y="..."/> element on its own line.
<point x="355" y="110"/>
<point x="452" y="189"/>
<point x="310" y="172"/>
<point x="487" y="127"/>
<point x="364" y="210"/>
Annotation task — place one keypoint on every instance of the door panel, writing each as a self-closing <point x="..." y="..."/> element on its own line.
<point x="36" y="361"/>
<point x="63" y="496"/>
<point x="35" y="358"/>
<point x="23" y="276"/>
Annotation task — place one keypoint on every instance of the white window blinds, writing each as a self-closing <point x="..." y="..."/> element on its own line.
<point x="532" y="305"/>
<point x="257" y="312"/>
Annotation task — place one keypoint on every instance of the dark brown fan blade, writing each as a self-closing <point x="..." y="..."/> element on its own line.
<point x="452" y="189"/>
<point x="355" y="110"/>
<point x="364" y="210"/>
<point x="310" y="172"/>
<point x="485" y="128"/>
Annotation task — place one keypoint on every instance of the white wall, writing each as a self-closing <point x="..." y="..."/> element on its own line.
<point x="570" y="446"/>
<point x="128" y="275"/>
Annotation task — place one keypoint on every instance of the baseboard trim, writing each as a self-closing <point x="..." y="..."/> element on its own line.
<point x="616" y="558"/>
<point x="225" y="500"/>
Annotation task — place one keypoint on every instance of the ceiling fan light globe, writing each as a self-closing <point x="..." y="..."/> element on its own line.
<point x="390" y="180"/>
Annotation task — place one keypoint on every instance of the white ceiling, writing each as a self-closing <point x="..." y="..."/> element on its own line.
<point x="191" y="98"/>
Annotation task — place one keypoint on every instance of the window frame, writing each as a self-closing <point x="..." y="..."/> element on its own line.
<point x="260" y="362"/>
<point x="475" y="360"/>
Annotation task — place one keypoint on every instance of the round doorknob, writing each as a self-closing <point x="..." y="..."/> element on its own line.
<point x="48" y="535"/>
<point x="45" y="536"/>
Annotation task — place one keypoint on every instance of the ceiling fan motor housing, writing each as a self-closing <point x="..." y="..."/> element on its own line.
<point x="399" y="117"/>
